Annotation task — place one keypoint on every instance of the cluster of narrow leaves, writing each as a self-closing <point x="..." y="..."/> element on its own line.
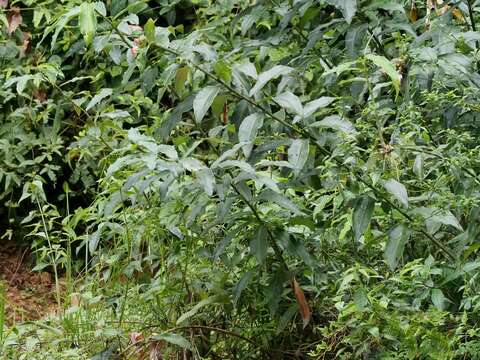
<point x="307" y="167"/>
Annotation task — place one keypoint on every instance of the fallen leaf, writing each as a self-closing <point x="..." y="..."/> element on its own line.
<point x="14" y="20"/>
<point x="135" y="337"/>
<point x="74" y="300"/>
<point x="302" y="303"/>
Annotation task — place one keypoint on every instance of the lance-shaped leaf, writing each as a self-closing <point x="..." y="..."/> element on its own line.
<point x="397" y="239"/>
<point x="316" y="104"/>
<point x="298" y="154"/>
<point x="174" y="339"/>
<point x="248" y="130"/>
<point x="87" y="22"/>
<point x="259" y="244"/>
<point x="398" y="190"/>
<point x="241" y="285"/>
<point x="347" y="7"/>
<point x="362" y="213"/>
<point x="388" y="68"/>
<point x="302" y="303"/>
<point x="268" y="75"/>
<point x="203" y="100"/>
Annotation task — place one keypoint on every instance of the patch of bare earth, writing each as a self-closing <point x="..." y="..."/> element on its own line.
<point x="29" y="295"/>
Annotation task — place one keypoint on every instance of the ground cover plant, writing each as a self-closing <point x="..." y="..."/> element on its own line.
<point x="232" y="179"/>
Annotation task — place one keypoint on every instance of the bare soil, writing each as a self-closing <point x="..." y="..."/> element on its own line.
<point x="29" y="295"/>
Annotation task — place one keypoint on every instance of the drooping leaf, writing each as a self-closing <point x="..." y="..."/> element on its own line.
<point x="87" y="21"/>
<point x="388" y="68"/>
<point x="398" y="190"/>
<point x="397" y="238"/>
<point x="206" y="179"/>
<point x="347" y="7"/>
<point x="298" y="154"/>
<point x="241" y="285"/>
<point x="203" y="100"/>
<point x="362" y="214"/>
<point x="14" y="20"/>
<point x="302" y="303"/>
<point x="268" y="75"/>
<point x="247" y="131"/>
<point x="438" y="299"/>
<point x="259" y="244"/>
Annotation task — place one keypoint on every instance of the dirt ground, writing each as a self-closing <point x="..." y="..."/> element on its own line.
<point x="29" y="295"/>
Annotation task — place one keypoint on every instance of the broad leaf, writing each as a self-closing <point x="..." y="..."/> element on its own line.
<point x="388" y="68"/>
<point x="298" y="154"/>
<point x="203" y="100"/>
<point x="247" y="132"/>
<point x="398" y="190"/>
<point x="397" y="239"/>
<point x="268" y="75"/>
<point x="362" y="214"/>
<point x="290" y="102"/>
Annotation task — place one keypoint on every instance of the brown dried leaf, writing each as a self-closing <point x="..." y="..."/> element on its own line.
<point x="3" y="3"/>
<point x="74" y="300"/>
<point x="457" y="14"/>
<point x="14" y="20"/>
<point x="40" y="95"/>
<point x="413" y="12"/>
<point x="135" y="337"/>
<point x="302" y="303"/>
<point x="26" y="42"/>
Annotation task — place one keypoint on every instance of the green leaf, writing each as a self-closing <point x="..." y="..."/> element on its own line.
<point x="438" y="299"/>
<point x="87" y="22"/>
<point x="99" y="97"/>
<point x="398" y="190"/>
<point x="397" y="238"/>
<point x="268" y="75"/>
<point x="298" y="154"/>
<point x="316" y="104"/>
<point x="223" y="71"/>
<point x="418" y="166"/>
<point x="259" y="244"/>
<point x="347" y="7"/>
<point x="206" y="179"/>
<point x="149" y="30"/>
<point x="203" y="100"/>
<point x="362" y="215"/>
<point x="388" y="68"/>
<point x="247" y="132"/>
<point x="241" y="285"/>
<point x="174" y="339"/>
<point x="290" y="102"/>
<point x="335" y="122"/>
<point x="194" y="310"/>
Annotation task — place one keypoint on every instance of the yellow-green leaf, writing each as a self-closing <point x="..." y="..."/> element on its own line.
<point x="87" y="22"/>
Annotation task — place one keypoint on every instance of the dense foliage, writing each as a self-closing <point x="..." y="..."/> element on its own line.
<point x="244" y="179"/>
